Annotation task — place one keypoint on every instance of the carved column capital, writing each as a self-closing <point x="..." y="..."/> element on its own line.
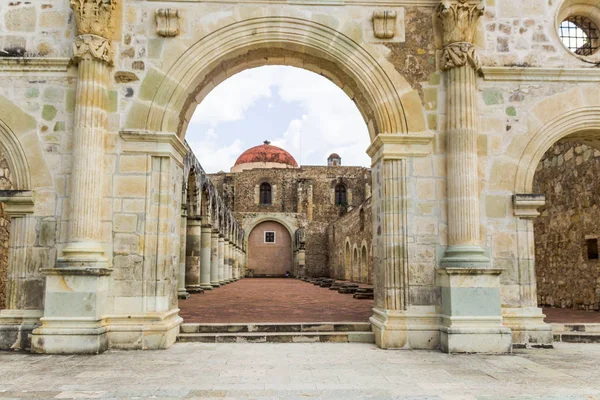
<point x="95" y="27"/>
<point x="458" y="21"/>
<point x="92" y="46"/>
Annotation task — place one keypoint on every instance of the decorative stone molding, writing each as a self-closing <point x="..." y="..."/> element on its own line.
<point x="394" y="146"/>
<point x="94" y="17"/>
<point x="458" y="20"/>
<point x="526" y="205"/>
<point x="384" y="24"/>
<point x="92" y="45"/>
<point x="167" y="22"/>
<point x="34" y="64"/>
<point x="18" y="202"/>
<point x="541" y="74"/>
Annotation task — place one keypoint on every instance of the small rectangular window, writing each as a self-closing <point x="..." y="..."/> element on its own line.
<point x="269" y="237"/>
<point x="592" y="248"/>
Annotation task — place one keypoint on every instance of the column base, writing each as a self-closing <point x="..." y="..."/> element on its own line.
<point x="527" y="326"/>
<point x="183" y="295"/>
<point x="465" y="257"/>
<point x="150" y="331"/>
<point x="206" y="286"/>
<point x="413" y="329"/>
<point x="69" y="336"/>
<point x="16" y="327"/>
<point x="194" y="289"/>
<point x="474" y="339"/>
<point x="215" y="284"/>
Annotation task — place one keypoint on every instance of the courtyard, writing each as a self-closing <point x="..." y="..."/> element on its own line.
<point x="304" y="371"/>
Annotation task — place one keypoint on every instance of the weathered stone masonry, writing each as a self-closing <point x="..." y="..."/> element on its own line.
<point x="567" y="176"/>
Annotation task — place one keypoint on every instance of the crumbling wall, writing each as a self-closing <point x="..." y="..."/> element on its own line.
<point x="566" y="277"/>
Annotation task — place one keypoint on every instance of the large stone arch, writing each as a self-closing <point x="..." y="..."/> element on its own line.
<point x="168" y="97"/>
<point x="251" y="224"/>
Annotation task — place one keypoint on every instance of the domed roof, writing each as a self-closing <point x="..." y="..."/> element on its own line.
<point x="266" y="153"/>
<point x="334" y="155"/>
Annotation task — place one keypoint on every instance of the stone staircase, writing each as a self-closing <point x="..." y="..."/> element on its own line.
<point x="357" y="291"/>
<point x="576" y="332"/>
<point x="305" y="332"/>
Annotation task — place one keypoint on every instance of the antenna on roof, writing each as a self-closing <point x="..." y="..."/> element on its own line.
<point x="266" y="142"/>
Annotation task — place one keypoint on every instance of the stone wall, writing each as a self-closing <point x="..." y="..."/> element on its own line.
<point x="304" y="196"/>
<point x="568" y="176"/>
<point x="5" y="184"/>
<point x="353" y="231"/>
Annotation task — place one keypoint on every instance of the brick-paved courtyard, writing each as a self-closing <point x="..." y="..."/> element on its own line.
<point x="567" y="316"/>
<point x="274" y="300"/>
<point x="304" y="371"/>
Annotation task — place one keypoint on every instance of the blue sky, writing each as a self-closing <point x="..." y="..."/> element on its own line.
<point x="298" y="110"/>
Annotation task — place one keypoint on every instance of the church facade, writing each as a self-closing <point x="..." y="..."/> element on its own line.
<point x="277" y="201"/>
<point x="462" y="98"/>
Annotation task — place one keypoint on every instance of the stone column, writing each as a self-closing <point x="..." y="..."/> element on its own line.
<point x="228" y="268"/>
<point x="192" y="259"/>
<point x="236" y="257"/>
<point x="24" y="285"/>
<point x="526" y="319"/>
<point x="471" y="314"/>
<point x="181" y="291"/>
<point x="221" y="259"/>
<point x="214" y="258"/>
<point x="82" y="274"/>
<point x="205" y="249"/>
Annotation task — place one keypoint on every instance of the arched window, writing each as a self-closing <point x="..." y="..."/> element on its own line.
<point x="340" y="195"/>
<point x="265" y="193"/>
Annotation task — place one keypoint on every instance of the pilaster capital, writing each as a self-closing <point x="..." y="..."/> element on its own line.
<point x="395" y="146"/>
<point x="92" y="47"/>
<point x="458" y="20"/>
<point x="94" y="17"/>
<point x="18" y="202"/>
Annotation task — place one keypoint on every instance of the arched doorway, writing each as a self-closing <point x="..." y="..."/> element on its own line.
<point x="5" y="184"/>
<point x="269" y="249"/>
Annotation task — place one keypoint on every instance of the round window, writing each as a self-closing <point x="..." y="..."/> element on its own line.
<point x="579" y="34"/>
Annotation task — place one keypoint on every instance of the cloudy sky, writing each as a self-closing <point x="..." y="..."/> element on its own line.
<point x="297" y="110"/>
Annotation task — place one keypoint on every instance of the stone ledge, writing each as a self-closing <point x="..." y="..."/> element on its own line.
<point x="34" y="64"/>
<point x="538" y="74"/>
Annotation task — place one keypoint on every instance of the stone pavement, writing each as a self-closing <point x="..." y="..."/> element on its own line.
<point x="304" y="371"/>
<point x="274" y="300"/>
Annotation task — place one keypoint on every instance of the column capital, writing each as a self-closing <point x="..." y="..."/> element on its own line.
<point x="387" y="146"/>
<point x="458" y="21"/>
<point x="95" y="26"/>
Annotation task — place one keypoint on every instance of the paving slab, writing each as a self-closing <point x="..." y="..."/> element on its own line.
<point x="304" y="371"/>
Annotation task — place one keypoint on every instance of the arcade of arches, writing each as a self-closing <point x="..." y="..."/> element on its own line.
<point x="112" y="218"/>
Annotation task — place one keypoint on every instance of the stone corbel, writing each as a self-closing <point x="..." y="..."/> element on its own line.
<point x="167" y="22"/>
<point x="526" y="205"/>
<point x="18" y="202"/>
<point x="384" y="24"/>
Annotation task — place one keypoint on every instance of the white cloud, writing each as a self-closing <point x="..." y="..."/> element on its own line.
<point x="330" y="121"/>
<point x="230" y="100"/>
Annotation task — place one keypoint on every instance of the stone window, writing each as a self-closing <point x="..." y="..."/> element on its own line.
<point x="579" y="34"/>
<point x="592" y="248"/>
<point x="269" y="237"/>
<point x="340" y="195"/>
<point x="265" y="193"/>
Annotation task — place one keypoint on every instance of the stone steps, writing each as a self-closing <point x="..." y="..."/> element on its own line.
<point x="279" y="337"/>
<point x="576" y="332"/>
<point x="305" y="332"/>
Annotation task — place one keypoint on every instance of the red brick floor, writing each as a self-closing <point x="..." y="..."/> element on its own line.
<point x="564" y="315"/>
<point x="273" y="300"/>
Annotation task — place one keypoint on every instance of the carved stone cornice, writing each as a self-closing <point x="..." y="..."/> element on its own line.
<point x="94" y="17"/>
<point x="458" y="21"/>
<point x="92" y="46"/>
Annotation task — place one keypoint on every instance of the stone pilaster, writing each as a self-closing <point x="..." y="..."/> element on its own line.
<point x="205" y="249"/>
<point x="395" y="323"/>
<point x="76" y="290"/>
<point x="214" y="258"/>
<point x="465" y="268"/>
<point x="182" y="293"/>
<point x="526" y="320"/>
<point x="221" y="256"/>
<point x="192" y="259"/>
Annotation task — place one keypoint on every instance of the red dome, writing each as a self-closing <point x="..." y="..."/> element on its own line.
<point x="334" y="155"/>
<point x="265" y="153"/>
